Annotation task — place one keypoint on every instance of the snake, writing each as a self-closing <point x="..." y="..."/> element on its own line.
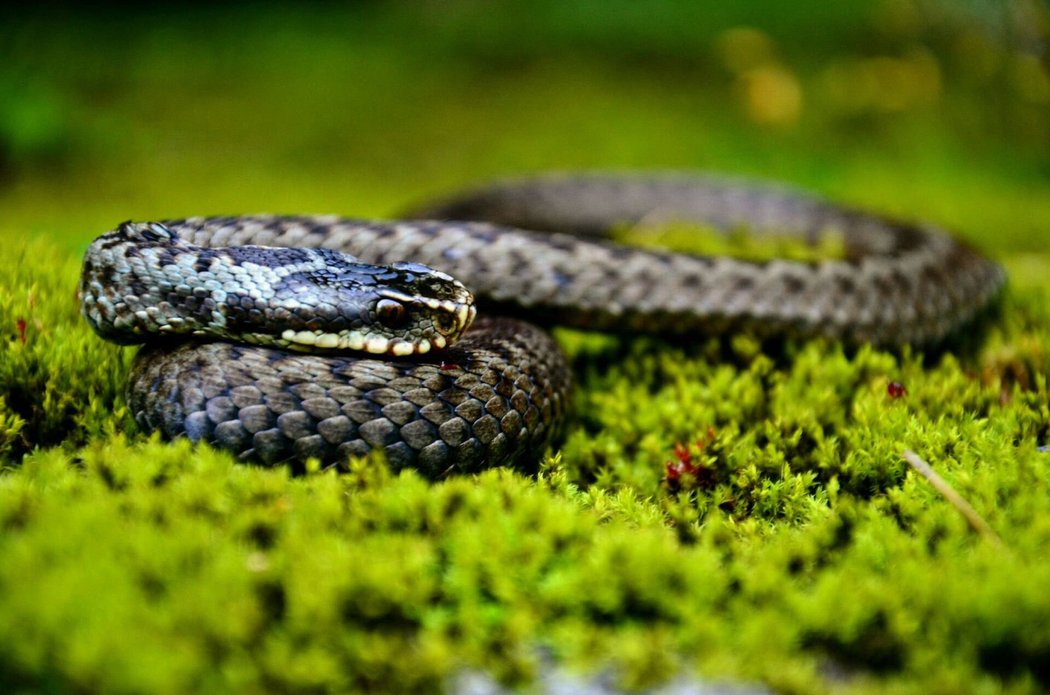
<point x="285" y="339"/>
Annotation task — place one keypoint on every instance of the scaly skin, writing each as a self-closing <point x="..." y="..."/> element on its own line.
<point x="497" y="397"/>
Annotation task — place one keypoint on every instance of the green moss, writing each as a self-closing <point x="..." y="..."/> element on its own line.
<point x="59" y="382"/>
<point x="728" y="508"/>
<point x="203" y="573"/>
<point x="737" y="243"/>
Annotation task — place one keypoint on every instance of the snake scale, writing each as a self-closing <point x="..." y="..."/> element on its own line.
<point x="197" y="291"/>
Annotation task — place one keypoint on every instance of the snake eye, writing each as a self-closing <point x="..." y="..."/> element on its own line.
<point x="390" y="313"/>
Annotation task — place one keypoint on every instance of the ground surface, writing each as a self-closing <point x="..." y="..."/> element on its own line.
<point x="795" y="550"/>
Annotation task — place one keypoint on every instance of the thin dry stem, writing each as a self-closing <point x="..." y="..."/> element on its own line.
<point x="977" y="523"/>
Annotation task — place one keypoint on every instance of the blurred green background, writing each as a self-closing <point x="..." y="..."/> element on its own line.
<point x="921" y="108"/>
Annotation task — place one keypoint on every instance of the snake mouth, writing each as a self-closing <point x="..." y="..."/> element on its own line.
<point x="357" y="341"/>
<point x="444" y="328"/>
<point x="447" y="320"/>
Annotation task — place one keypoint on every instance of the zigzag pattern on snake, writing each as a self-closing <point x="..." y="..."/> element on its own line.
<point x="535" y="248"/>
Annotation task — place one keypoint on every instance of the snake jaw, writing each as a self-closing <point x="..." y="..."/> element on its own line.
<point x="354" y="341"/>
<point x="435" y="324"/>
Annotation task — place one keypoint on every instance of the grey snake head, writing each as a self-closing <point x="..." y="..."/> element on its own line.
<point x="143" y="280"/>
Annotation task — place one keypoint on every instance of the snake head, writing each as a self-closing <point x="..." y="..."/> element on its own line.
<point x="143" y="282"/>
<point x="400" y="309"/>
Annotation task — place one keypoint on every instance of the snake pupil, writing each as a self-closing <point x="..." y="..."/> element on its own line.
<point x="391" y="314"/>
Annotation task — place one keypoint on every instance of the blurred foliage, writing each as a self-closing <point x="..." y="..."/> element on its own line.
<point x="723" y="507"/>
<point x="912" y="106"/>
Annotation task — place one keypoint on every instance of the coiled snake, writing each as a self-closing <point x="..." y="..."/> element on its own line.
<point x="497" y="395"/>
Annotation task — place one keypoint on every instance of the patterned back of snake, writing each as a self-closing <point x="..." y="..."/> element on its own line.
<point x="539" y="249"/>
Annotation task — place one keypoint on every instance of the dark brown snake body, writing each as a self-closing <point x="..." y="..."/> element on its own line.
<point x="498" y="395"/>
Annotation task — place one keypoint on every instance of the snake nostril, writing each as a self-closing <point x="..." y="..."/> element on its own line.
<point x="390" y="313"/>
<point x="446" y="324"/>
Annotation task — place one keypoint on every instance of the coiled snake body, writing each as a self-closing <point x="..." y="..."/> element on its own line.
<point x="498" y="394"/>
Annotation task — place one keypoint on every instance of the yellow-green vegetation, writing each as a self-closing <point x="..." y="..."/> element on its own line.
<point x="719" y="507"/>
